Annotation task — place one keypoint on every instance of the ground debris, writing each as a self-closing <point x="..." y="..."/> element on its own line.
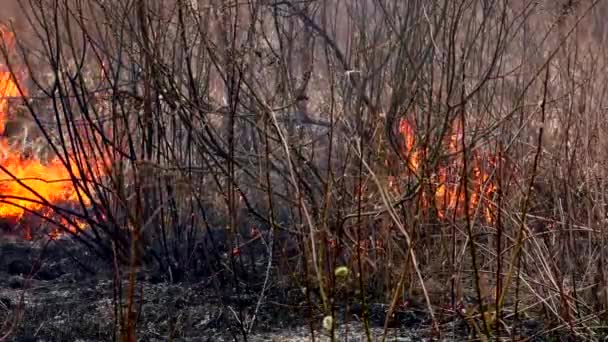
<point x="79" y="306"/>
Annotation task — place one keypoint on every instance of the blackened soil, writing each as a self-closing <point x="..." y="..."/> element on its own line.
<point x="60" y="292"/>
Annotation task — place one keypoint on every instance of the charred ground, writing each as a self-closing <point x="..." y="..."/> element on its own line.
<point x="58" y="291"/>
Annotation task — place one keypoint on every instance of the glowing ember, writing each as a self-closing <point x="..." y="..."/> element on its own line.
<point x="26" y="183"/>
<point x="447" y="193"/>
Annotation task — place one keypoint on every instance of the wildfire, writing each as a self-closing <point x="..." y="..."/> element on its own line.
<point x="28" y="184"/>
<point x="8" y="89"/>
<point x="445" y="189"/>
<point x="412" y="154"/>
<point x="50" y="181"/>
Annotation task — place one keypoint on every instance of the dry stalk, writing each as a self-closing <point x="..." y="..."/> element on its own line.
<point x="395" y="219"/>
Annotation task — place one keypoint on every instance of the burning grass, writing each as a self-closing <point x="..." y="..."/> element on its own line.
<point x="441" y="224"/>
<point x="29" y="184"/>
<point x="444" y="191"/>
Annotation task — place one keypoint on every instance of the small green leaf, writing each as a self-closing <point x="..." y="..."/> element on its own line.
<point x="328" y="322"/>
<point x="341" y="271"/>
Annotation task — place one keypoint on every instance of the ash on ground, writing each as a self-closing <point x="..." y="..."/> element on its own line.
<point x="58" y="291"/>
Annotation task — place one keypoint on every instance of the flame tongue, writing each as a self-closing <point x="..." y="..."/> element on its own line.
<point x="8" y="89"/>
<point x="447" y="193"/>
<point x="50" y="181"/>
<point x="26" y="182"/>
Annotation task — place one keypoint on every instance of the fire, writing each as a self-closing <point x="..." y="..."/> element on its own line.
<point x="28" y="184"/>
<point x="412" y="155"/>
<point x="50" y="181"/>
<point x="445" y="189"/>
<point x="8" y="89"/>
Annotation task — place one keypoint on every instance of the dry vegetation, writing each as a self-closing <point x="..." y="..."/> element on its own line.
<point x="448" y="153"/>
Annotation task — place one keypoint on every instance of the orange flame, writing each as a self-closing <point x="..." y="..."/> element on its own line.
<point x="50" y="181"/>
<point x="447" y="191"/>
<point x="27" y="183"/>
<point x="8" y="89"/>
<point x="411" y="154"/>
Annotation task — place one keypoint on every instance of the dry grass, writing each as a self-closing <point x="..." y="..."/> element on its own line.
<point x="489" y="209"/>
